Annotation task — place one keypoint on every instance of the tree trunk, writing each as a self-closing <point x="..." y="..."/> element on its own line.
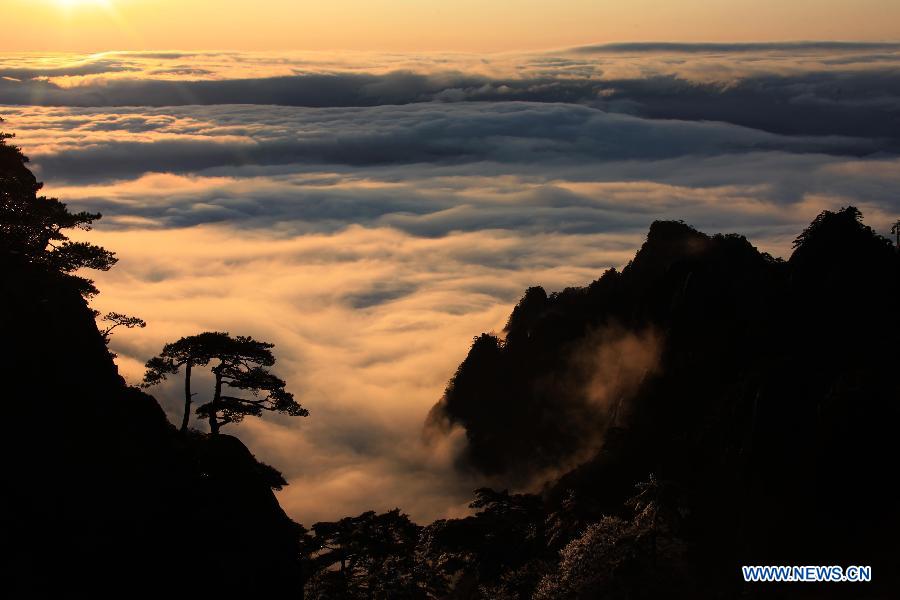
<point x="213" y="420"/>
<point x="187" y="397"/>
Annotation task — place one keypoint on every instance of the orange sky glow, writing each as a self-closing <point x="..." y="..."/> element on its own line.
<point x="404" y="25"/>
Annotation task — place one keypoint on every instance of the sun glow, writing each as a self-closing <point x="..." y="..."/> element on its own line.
<point x="76" y="3"/>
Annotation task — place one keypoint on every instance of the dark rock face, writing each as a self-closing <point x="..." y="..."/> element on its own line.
<point x="753" y="401"/>
<point x="102" y="493"/>
<point x="771" y="400"/>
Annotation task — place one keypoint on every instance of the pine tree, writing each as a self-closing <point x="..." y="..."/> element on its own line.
<point x="241" y="366"/>
<point x="32" y="226"/>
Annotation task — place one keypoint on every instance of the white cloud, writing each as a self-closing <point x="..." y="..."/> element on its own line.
<point x="371" y="243"/>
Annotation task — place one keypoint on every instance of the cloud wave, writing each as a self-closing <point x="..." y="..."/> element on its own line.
<point x="371" y="213"/>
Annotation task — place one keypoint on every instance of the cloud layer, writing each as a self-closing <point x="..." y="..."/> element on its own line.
<point x="812" y="88"/>
<point x="371" y="214"/>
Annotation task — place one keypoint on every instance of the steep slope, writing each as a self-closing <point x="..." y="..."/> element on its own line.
<point x="765" y="391"/>
<point x="101" y="494"/>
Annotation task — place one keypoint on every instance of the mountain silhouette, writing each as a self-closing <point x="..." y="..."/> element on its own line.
<point x="707" y="407"/>
<point x="102" y="496"/>
<point x="769" y="398"/>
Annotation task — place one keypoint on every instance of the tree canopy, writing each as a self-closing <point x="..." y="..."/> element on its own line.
<point x="241" y="366"/>
<point x="369" y="556"/>
<point x="32" y="227"/>
<point x="116" y="319"/>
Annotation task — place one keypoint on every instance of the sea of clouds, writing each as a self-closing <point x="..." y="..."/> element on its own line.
<point x="370" y="214"/>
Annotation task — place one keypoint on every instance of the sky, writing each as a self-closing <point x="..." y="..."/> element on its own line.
<point x="418" y="25"/>
<point x="371" y="210"/>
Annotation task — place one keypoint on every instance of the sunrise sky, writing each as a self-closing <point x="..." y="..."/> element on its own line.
<point x="371" y="184"/>
<point x="416" y="25"/>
